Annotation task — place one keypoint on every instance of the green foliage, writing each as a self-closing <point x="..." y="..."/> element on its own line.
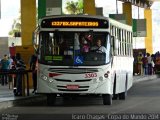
<point x="71" y="7"/>
<point x="16" y="26"/>
<point x="74" y="7"/>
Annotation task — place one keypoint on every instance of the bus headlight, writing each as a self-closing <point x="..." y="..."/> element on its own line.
<point x="106" y="75"/>
<point x="44" y="77"/>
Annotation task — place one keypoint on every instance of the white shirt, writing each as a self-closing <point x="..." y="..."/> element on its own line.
<point x="149" y="59"/>
<point x="100" y="49"/>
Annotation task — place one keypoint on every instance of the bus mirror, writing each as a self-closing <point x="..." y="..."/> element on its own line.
<point x="37" y="51"/>
<point x="35" y="40"/>
<point x="36" y="48"/>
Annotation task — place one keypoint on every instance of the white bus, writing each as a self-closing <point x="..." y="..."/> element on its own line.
<point x="69" y="66"/>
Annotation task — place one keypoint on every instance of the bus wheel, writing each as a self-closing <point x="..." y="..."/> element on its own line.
<point x="107" y="99"/>
<point x="115" y="97"/>
<point x="122" y="96"/>
<point x="51" y="98"/>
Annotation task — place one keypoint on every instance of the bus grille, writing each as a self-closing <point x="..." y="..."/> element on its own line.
<point x="73" y="71"/>
<point x="65" y="80"/>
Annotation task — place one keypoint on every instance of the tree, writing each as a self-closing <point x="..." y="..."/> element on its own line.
<point x="74" y="7"/>
<point x="71" y="7"/>
<point x="16" y="26"/>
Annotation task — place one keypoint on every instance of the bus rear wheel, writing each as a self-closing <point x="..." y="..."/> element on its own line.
<point x="51" y="98"/>
<point x="123" y="95"/>
<point x="107" y="99"/>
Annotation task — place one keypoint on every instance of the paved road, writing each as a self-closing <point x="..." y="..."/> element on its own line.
<point x="143" y="97"/>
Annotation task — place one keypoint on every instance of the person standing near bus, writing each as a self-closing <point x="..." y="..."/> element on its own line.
<point x="20" y="66"/>
<point x="33" y="67"/>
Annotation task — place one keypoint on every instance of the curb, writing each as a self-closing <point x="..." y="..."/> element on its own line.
<point x="137" y="79"/>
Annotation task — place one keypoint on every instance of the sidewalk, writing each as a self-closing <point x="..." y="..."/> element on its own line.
<point x="7" y="98"/>
<point x="139" y="78"/>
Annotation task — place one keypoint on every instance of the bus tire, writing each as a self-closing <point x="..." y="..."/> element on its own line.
<point x="51" y="98"/>
<point x="107" y="99"/>
<point x="115" y="96"/>
<point x="122" y="96"/>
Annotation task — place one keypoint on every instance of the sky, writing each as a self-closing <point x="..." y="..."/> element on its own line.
<point x="10" y="11"/>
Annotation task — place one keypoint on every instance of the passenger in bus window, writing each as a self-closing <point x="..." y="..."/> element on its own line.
<point x="85" y="46"/>
<point x="99" y="48"/>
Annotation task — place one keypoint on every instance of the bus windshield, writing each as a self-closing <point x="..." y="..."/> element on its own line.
<point x="63" y="48"/>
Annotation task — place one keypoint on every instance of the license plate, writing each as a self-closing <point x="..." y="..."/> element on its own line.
<point x="72" y="87"/>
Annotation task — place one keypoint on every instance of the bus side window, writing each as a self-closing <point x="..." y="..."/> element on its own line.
<point x="112" y="45"/>
<point x="116" y="44"/>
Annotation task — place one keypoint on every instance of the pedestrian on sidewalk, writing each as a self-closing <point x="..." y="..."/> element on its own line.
<point x="5" y="67"/>
<point x="145" y="64"/>
<point x="149" y="59"/>
<point x="140" y="68"/>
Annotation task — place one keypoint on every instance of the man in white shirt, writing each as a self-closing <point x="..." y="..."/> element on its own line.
<point x="99" y="48"/>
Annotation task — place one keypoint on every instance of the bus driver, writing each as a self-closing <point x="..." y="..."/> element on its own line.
<point x="99" y="48"/>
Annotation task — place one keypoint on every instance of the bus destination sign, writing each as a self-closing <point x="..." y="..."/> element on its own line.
<point x="74" y="22"/>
